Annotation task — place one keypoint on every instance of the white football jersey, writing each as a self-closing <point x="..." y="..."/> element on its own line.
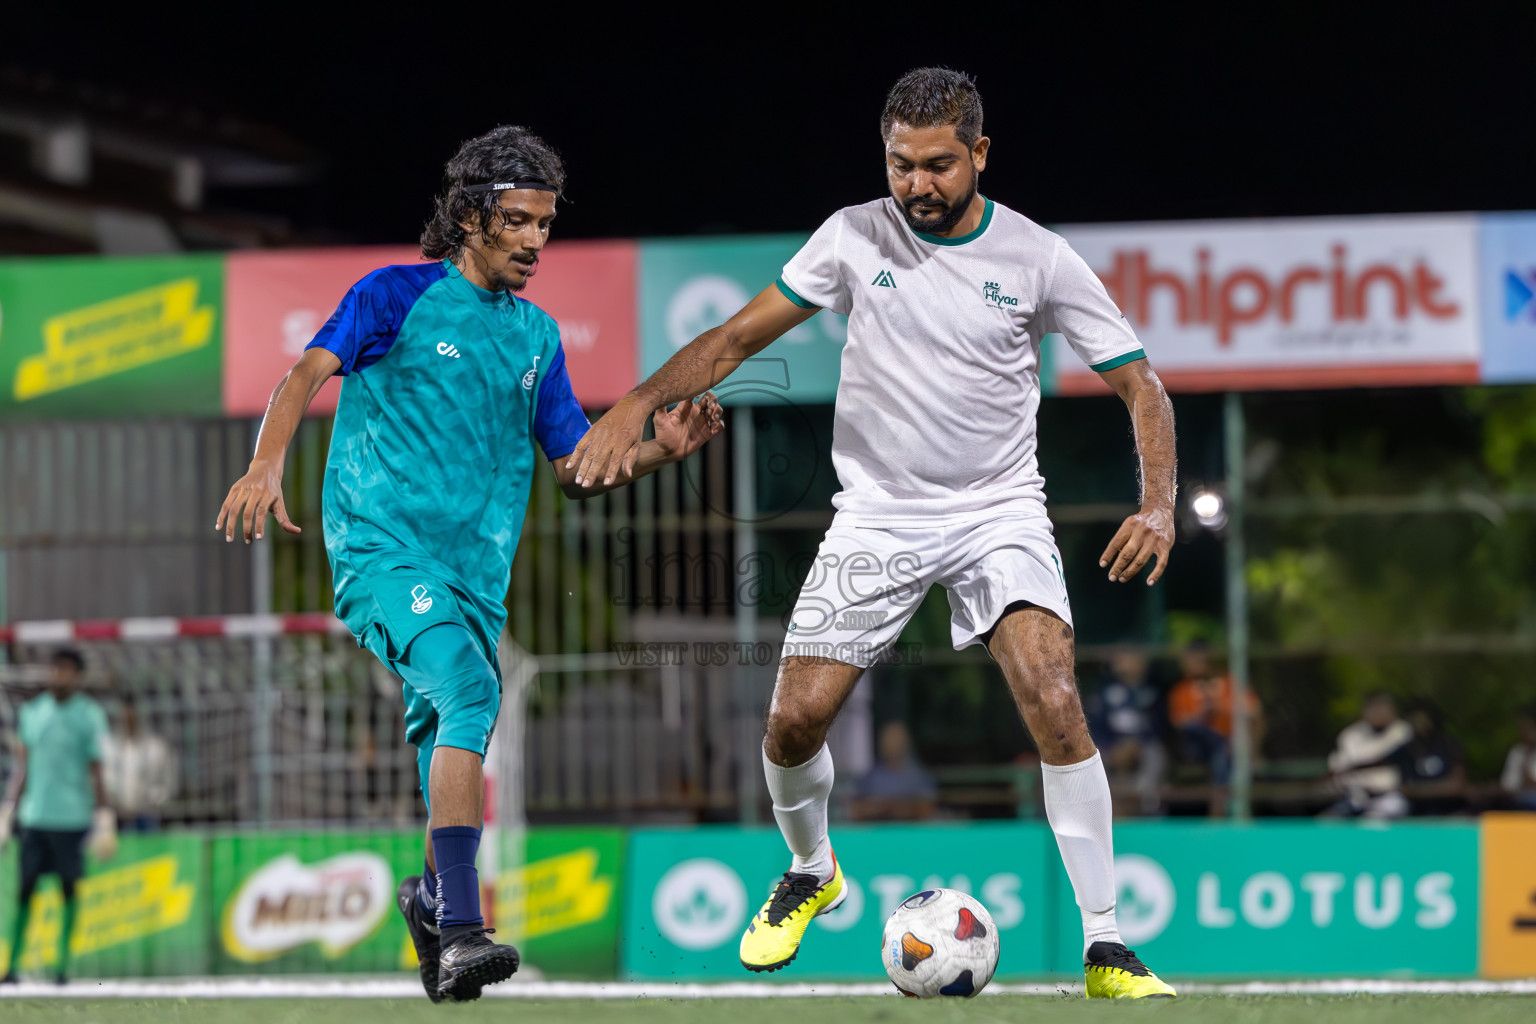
<point x="940" y="384"/>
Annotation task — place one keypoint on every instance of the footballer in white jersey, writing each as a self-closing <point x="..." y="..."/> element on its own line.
<point x="948" y="295"/>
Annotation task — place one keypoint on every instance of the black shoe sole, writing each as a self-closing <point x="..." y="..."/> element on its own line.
<point x="465" y="985"/>
<point x="426" y="960"/>
<point x="770" y="968"/>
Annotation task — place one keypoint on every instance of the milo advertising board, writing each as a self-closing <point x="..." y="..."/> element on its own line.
<point x="105" y="338"/>
<point x="142" y="913"/>
<point x="325" y="901"/>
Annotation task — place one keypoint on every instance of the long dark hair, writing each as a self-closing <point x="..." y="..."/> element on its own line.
<point x="508" y="153"/>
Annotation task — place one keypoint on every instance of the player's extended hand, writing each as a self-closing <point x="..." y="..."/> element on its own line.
<point x="688" y="426"/>
<point x="1147" y="533"/>
<point x="612" y="444"/>
<point x="258" y="492"/>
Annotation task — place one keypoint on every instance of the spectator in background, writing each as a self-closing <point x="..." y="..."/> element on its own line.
<point x="58" y="799"/>
<point x="1200" y="708"/>
<point x="1434" y="766"/>
<point x="1123" y="716"/>
<point x="897" y="788"/>
<point x="138" y="771"/>
<point x="1366" y="762"/>
<point x="1519" y="776"/>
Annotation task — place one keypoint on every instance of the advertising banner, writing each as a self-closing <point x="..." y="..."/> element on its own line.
<point x="1298" y="898"/>
<point x="1509" y="896"/>
<point x="561" y="908"/>
<point x="691" y="893"/>
<point x="1296" y="303"/>
<point x="312" y="901"/>
<point x="144" y="912"/>
<point x="277" y="301"/>
<point x="87" y="337"/>
<point x="1507" y="286"/>
<point x="687" y="287"/>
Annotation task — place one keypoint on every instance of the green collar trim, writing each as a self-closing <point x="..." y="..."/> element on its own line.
<point x="970" y="236"/>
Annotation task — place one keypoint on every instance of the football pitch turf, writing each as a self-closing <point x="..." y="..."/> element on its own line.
<point x="994" y="1009"/>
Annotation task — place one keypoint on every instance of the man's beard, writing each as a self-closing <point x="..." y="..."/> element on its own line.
<point x="951" y="215"/>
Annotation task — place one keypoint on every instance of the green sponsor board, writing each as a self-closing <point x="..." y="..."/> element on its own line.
<point x="687" y="287"/>
<point x="562" y="908"/>
<point x="118" y="337"/>
<point x="311" y="901"/>
<point x="1292" y="899"/>
<point x="691" y="892"/>
<point x="144" y="912"/>
<point x="325" y="901"/>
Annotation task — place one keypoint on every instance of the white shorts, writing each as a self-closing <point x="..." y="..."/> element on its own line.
<point x="867" y="581"/>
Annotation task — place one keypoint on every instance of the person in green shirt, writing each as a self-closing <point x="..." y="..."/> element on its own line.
<point x="56" y="791"/>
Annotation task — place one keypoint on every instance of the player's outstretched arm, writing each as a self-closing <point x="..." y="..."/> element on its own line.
<point x="261" y="489"/>
<point x="1149" y="532"/>
<point x="680" y="432"/>
<point x="612" y="446"/>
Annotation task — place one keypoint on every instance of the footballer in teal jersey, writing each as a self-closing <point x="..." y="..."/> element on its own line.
<point x="450" y="382"/>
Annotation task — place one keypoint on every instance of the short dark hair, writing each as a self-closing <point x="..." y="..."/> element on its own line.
<point x="508" y="153"/>
<point x="70" y="655"/>
<point x="926" y="97"/>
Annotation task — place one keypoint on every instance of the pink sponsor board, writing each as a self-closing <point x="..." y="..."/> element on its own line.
<point x="276" y="301"/>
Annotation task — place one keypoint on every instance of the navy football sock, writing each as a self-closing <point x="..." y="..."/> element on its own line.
<point x="458" y="883"/>
<point x="426" y="891"/>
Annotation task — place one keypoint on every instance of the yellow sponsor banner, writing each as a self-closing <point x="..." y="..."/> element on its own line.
<point x="117" y="907"/>
<point x="1509" y="895"/>
<point x="553" y="895"/>
<point x="119" y="334"/>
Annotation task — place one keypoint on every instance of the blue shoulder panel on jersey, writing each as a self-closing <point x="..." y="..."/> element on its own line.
<point x="366" y="323"/>
<point x="558" y="421"/>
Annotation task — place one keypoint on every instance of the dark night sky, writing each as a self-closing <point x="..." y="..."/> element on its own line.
<point x="681" y="129"/>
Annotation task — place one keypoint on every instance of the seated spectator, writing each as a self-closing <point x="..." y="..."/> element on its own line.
<point x="138" y="770"/>
<point x="1123" y="716"/>
<point x="1365" y="762"/>
<point x="1519" y="776"/>
<point x="897" y="788"/>
<point x="1200" y="708"/>
<point x="1434" y="766"/>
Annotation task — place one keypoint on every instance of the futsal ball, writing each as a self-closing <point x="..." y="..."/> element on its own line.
<point x="940" y="942"/>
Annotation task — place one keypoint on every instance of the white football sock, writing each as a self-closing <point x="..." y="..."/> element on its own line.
<point x="800" y="807"/>
<point x="1078" y="807"/>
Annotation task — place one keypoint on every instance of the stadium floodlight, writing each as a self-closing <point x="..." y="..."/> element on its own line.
<point x="1209" y="508"/>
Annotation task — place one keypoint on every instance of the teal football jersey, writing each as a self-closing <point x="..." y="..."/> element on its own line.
<point x="448" y="388"/>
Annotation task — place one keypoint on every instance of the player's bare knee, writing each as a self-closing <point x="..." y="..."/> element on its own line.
<point x="794" y="734"/>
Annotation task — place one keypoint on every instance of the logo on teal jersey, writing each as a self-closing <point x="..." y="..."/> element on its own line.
<point x="993" y="293"/>
<point x="884" y="280"/>
<point x="445" y="349"/>
<point x="531" y="376"/>
<point x="423" y="602"/>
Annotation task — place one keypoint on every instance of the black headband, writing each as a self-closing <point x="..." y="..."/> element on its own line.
<point x="502" y="186"/>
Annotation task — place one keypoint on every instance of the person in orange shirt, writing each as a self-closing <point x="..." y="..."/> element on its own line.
<point x="1200" y="708"/>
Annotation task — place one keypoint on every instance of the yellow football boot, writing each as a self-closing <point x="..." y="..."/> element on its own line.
<point x="1111" y="971"/>
<point x="772" y="938"/>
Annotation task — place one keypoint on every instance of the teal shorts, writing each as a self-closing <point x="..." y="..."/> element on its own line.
<point x="427" y="634"/>
<point x="452" y="695"/>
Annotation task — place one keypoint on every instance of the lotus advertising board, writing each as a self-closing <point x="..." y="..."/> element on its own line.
<point x="1295" y="303"/>
<point x="687" y="287"/>
<point x="692" y="891"/>
<point x="1292" y="898"/>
